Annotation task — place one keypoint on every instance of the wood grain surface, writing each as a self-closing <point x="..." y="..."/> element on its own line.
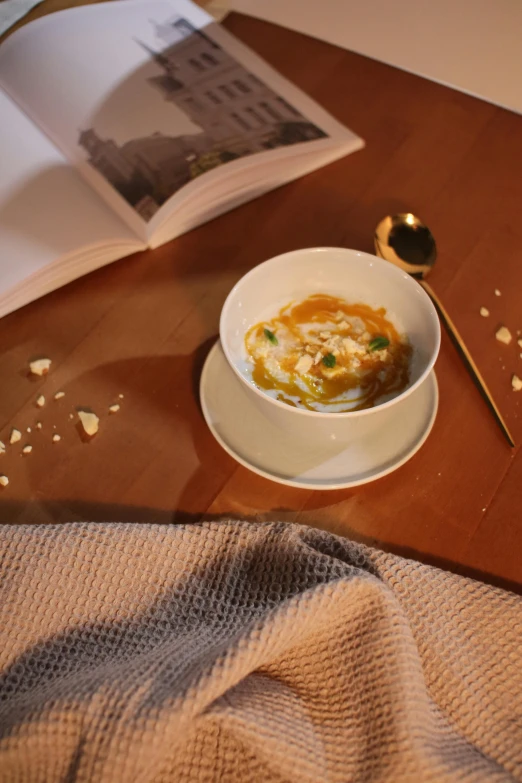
<point x="143" y="327"/>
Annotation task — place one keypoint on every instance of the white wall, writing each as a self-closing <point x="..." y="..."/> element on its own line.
<point x="472" y="45"/>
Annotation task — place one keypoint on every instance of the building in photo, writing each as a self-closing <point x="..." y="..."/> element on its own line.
<point x="237" y="115"/>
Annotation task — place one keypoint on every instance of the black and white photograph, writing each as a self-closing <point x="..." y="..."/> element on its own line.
<point x="234" y="114"/>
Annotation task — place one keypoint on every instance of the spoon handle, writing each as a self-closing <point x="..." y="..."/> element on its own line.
<point x="468" y="361"/>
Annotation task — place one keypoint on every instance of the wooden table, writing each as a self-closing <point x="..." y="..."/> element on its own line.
<point x="143" y="327"/>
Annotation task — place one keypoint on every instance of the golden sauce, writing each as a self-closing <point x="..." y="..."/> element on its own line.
<point x="296" y="328"/>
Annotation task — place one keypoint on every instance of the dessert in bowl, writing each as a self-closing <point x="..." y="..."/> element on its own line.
<point x="327" y="342"/>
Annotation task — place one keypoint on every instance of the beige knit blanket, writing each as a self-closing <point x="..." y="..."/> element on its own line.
<point x="231" y="651"/>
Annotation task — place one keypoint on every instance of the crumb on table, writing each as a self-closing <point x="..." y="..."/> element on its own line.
<point x="40" y="366"/>
<point x="15" y="436"/>
<point x="503" y="335"/>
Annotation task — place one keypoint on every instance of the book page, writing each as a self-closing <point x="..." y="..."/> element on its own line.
<point x="144" y="96"/>
<point x="47" y="211"/>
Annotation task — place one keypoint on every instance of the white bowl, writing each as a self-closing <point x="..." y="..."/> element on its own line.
<point x="351" y="275"/>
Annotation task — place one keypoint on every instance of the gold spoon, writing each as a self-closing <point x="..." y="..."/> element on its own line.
<point x="406" y="242"/>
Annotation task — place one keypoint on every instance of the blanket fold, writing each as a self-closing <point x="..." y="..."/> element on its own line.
<point x="235" y="651"/>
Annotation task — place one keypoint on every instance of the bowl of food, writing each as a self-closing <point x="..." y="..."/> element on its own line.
<point x="328" y="342"/>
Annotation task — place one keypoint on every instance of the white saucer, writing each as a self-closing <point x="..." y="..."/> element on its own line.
<point x="256" y="443"/>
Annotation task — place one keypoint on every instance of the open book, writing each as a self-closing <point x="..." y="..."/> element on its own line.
<point x="125" y="124"/>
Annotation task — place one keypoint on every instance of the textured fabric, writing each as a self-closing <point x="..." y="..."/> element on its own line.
<point x="232" y="651"/>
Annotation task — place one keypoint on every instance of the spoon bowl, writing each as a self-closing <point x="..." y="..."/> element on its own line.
<point x="405" y="241"/>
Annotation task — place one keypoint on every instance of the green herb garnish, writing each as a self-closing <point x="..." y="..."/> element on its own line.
<point x="378" y="343"/>
<point x="329" y="360"/>
<point x="271" y="336"/>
